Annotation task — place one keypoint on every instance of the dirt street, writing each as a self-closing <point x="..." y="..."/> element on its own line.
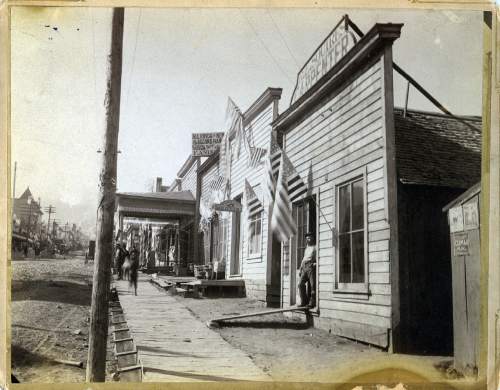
<point x="50" y="314"/>
<point x="289" y="350"/>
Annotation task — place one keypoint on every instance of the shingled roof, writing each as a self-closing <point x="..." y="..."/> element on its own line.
<point x="437" y="150"/>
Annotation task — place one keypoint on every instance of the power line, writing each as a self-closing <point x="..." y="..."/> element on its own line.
<point x="283" y="39"/>
<point x="266" y="48"/>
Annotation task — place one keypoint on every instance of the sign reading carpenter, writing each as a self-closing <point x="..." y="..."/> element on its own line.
<point x="205" y="144"/>
<point x="334" y="47"/>
<point x="228" y="205"/>
<point x="471" y="216"/>
<point x="461" y="244"/>
<point x="456" y="219"/>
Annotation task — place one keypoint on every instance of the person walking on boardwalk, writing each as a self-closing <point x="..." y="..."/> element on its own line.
<point x="307" y="274"/>
<point x="134" y="267"/>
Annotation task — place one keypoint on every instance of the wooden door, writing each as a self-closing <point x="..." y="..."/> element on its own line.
<point x="235" y="242"/>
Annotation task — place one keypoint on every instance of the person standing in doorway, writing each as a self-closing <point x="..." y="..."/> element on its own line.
<point x="307" y="273"/>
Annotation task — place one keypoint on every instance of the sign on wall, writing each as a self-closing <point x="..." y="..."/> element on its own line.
<point x="456" y="219"/>
<point x="331" y="50"/>
<point x="471" y="216"/>
<point x="228" y="205"/>
<point x="461" y="244"/>
<point x="205" y="144"/>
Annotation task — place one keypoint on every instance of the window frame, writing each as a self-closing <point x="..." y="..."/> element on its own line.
<point x="258" y="254"/>
<point x="356" y="290"/>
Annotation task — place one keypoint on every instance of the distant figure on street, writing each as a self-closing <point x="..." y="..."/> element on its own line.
<point x="307" y="274"/>
<point x="25" y="250"/>
<point x="120" y="255"/>
<point x="134" y="267"/>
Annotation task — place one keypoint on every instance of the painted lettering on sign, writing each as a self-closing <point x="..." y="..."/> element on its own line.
<point x="461" y="244"/>
<point x="471" y="216"/>
<point x="333" y="48"/>
<point x="228" y="205"/>
<point x="205" y="144"/>
<point x="456" y="219"/>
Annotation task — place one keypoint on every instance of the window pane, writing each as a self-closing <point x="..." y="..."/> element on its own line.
<point x="344" y="209"/>
<point x="358" y="257"/>
<point x="357" y="205"/>
<point x="344" y="259"/>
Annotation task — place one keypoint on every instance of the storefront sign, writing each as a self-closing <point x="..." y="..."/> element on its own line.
<point x="471" y="216"/>
<point x="205" y="144"/>
<point x="332" y="49"/>
<point x="456" y="219"/>
<point x="461" y="244"/>
<point x="228" y="205"/>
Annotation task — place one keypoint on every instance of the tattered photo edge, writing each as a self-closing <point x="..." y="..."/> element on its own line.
<point x="490" y="186"/>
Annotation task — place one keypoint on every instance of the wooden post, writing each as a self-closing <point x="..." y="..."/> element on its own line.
<point x="96" y="365"/>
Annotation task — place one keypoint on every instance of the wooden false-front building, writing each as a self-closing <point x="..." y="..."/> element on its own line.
<point x="237" y="241"/>
<point x="378" y="178"/>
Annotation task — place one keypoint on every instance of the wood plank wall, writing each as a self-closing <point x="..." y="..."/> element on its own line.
<point x="189" y="180"/>
<point x="345" y="134"/>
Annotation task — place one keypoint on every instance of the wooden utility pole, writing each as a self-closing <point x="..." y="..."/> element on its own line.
<point x="96" y="364"/>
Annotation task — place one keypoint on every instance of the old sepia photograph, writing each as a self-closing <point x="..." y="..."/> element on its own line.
<point x="249" y="194"/>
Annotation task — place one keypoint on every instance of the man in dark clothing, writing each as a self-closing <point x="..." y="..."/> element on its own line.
<point x="307" y="274"/>
<point x="120" y="255"/>
<point x="134" y="267"/>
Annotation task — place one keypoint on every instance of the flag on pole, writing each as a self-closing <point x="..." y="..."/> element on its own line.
<point x="296" y="186"/>
<point x="217" y="183"/>
<point x="253" y="204"/>
<point x="282" y="223"/>
<point x="234" y="122"/>
<point x="255" y="156"/>
<point x="270" y="183"/>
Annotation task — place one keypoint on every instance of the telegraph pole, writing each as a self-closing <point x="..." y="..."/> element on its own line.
<point x="96" y="364"/>
<point x="51" y="210"/>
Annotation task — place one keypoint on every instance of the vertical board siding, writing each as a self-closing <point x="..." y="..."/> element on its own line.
<point x="343" y="135"/>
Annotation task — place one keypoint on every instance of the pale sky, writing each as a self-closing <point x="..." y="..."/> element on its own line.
<point x="179" y="67"/>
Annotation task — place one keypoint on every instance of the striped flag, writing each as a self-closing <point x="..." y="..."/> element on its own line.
<point x="296" y="186"/>
<point x="217" y="183"/>
<point x="256" y="155"/>
<point x="282" y="223"/>
<point x="253" y="203"/>
<point x="234" y="122"/>
<point x="270" y="182"/>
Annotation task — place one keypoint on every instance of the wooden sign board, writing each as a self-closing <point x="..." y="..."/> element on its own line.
<point x="205" y="144"/>
<point x="330" y="51"/>
<point x="471" y="216"/>
<point x="456" y="219"/>
<point x="461" y="244"/>
<point x="228" y="205"/>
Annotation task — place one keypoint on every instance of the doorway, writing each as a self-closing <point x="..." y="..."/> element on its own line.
<point x="304" y="215"/>
<point x="235" y="268"/>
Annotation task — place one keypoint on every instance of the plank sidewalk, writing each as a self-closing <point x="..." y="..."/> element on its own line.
<point x="175" y="346"/>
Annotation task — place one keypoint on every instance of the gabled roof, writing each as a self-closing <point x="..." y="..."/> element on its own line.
<point x="175" y="196"/>
<point x="26" y="194"/>
<point x="437" y="149"/>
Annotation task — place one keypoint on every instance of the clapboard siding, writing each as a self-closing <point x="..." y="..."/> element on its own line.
<point x="253" y="268"/>
<point x="189" y="180"/>
<point x="339" y="139"/>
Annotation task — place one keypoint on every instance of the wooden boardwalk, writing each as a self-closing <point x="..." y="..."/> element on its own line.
<point x="174" y="346"/>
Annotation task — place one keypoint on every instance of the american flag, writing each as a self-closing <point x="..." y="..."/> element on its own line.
<point x="234" y="122"/>
<point x="282" y="223"/>
<point x="256" y="155"/>
<point x="217" y="183"/>
<point x="295" y="184"/>
<point x="270" y="182"/>
<point x="253" y="203"/>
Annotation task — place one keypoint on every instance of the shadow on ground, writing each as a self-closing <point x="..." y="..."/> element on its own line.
<point x="266" y="324"/>
<point x="52" y="291"/>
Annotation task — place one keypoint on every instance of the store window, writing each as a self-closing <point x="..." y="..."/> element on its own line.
<point x="255" y="234"/>
<point x="351" y="225"/>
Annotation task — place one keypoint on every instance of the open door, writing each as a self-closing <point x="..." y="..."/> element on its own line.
<point x="304" y="214"/>
<point x="235" y="268"/>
